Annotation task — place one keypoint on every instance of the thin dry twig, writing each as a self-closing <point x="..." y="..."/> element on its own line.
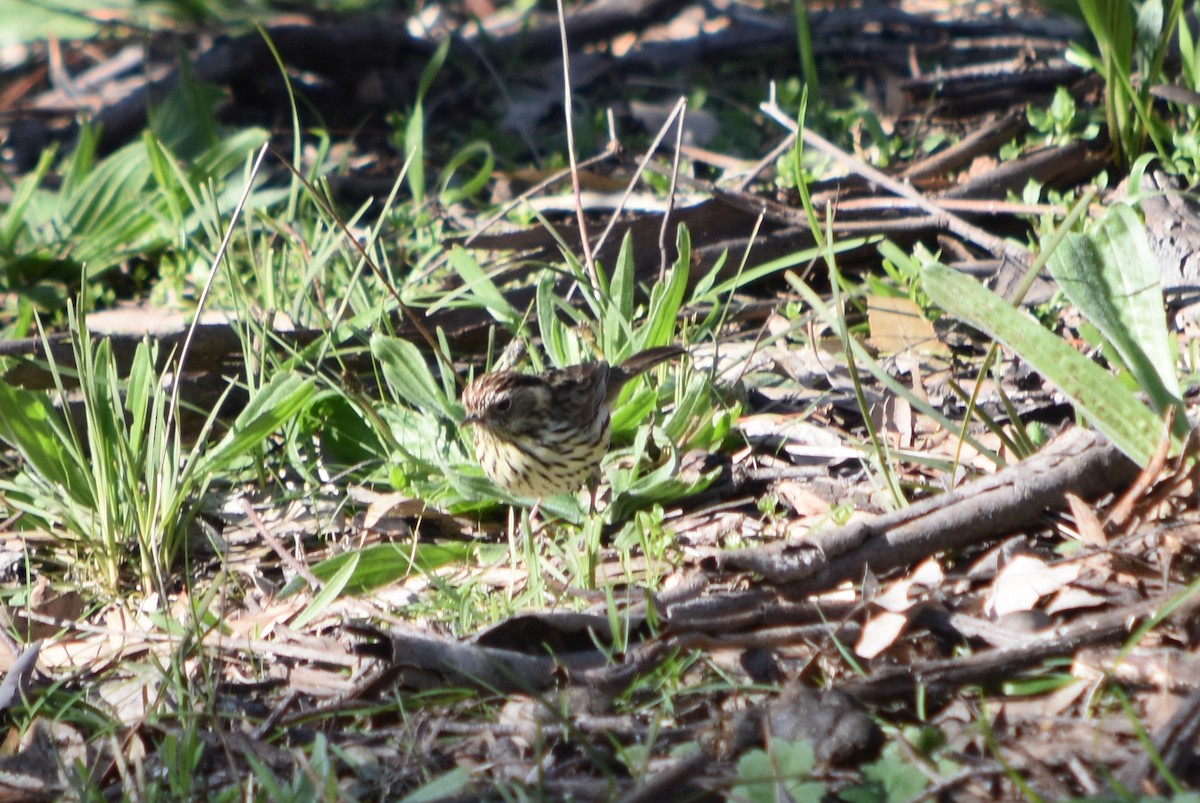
<point x="584" y="240"/>
<point x="278" y="548"/>
<point x="954" y="223"/>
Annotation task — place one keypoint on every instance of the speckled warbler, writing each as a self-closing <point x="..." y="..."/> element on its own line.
<point x="538" y="435"/>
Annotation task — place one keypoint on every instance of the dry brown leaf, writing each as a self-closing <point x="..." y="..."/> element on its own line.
<point x="263" y="622"/>
<point x="1087" y="523"/>
<point x="882" y="629"/>
<point x="1024" y="581"/>
<point x="801" y="499"/>
<point x="898" y="325"/>
<point x="966" y="455"/>
<point x="802" y="441"/>
<point x="898" y="597"/>
<point x="894" y="417"/>
<point x="880" y="632"/>
<point x="37" y="769"/>
<point x="1072" y="598"/>
<point x="981" y="165"/>
<point x="64" y="608"/>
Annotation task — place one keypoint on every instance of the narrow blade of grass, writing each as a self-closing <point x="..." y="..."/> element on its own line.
<point x="1096" y="394"/>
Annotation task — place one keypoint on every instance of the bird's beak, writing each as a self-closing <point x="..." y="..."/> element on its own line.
<point x="472" y="418"/>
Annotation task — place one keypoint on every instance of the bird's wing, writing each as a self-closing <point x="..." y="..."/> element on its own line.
<point x="590" y="380"/>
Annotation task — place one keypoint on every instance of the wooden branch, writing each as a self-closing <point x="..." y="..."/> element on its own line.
<point x="1079" y="462"/>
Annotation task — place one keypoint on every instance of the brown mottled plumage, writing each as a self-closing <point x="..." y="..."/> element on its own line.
<point x="539" y="435"/>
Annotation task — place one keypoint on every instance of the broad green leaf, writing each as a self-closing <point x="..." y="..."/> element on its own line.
<point x="692" y="406"/>
<point x="275" y="404"/>
<point x="660" y="487"/>
<point x="184" y="121"/>
<point x="101" y="398"/>
<point x="1111" y="275"/>
<point x="449" y="785"/>
<point x="379" y="565"/>
<point x="26" y="424"/>
<point x="551" y="327"/>
<point x="139" y="387"/>
<point x="621" y="289"/>
<point x="780" y="774"/>
<point x="1095" y="393"/>
<point x="14" y="218"/>
<point x="635" y="410"/>
<point x="892" y="777"/>
<point x="72" y="20"/>
<point x="408" y="375"/>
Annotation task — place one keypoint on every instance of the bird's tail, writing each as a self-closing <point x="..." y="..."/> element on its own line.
<point x="645" y="360"/>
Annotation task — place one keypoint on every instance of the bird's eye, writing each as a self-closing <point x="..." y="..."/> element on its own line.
<point x="504" y="405"/>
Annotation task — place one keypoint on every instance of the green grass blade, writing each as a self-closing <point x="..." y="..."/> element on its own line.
<point x="1096" y="394"/>
<point x="13" y="219"/>
<point x="332" y="590"/>
<point x="478" y="286"/>
<point x="666" y="299"/>
<point x="619" y="318"/>
<point x="383" y="564"/>
<point x="551" y="327"/>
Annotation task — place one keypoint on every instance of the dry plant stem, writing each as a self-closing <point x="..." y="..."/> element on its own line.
<point x="637" y="174"/>
<point x="666" y="783"/>
<point x="973" y="775"/>
<point x="622" y="726"/>
<point x="278" y="712"/>
<point x="992" y="244"/>
<point x="208" y="283"/>
<point x="549" y="181"/>
<point x="506" y="670"/>
<point x="409" y="313"/>
<point x="762" y="329"/>
<point x="981" y="206"/>
<point x="239" y="647"/>
<point x="1183" y="478"/>
<point x="588" y="262"/>
<point x="779" y="637"/>
<point x="1123" y="509"/>
<point x="680" y="111"/>
<point x="1070" y="163"/>
<point x="114" y="633"/>
<point x="481" y="667"/>
<point x="983" y="140"/>
<point x="765" y="162"/>
<point x="278" y="547"/>
<point x="1079" y="461"/>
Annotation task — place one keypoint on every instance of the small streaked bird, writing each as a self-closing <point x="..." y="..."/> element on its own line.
<point x="539" y="435"/>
